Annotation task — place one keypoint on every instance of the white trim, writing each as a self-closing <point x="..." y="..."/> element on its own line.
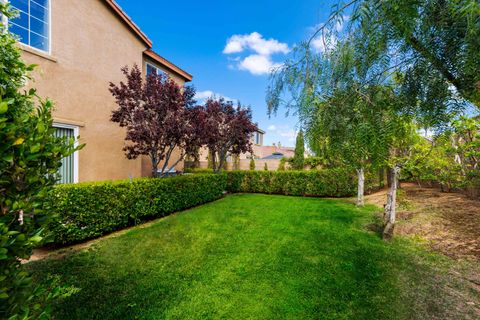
<point x="155" y="67"/>
<point x="76" y="130"/>
<point x="49" y="38"/>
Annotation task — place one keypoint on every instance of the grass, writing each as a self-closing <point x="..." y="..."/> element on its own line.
<point x="256" y="257"/>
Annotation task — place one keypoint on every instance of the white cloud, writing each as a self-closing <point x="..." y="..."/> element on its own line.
<point x="254" y="41"/>
<point x="260" y="61"/>
<point x="258" y="64"/>
<point x="204" y="95"/>
<point x="272" y="127"/>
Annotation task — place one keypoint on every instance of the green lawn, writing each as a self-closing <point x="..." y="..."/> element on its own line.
<point x="256" y="257"/>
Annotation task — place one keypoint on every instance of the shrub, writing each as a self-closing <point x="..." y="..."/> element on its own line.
<point x="30" y="156"/>
<point x="265" y="167"/>
<point x="252" y="164"/>
<point x="198" y="170"/>
<point x="89" y="210"/>
<point x="315" y="162"/>
<point x="298" y="160"/>
<point x="320" y="183"/>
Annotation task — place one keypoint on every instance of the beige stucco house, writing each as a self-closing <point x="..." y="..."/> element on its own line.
<point x="79" y="47"/>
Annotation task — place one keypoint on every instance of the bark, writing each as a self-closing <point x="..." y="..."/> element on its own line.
<point x="389" y="215"/>
<point x="154" y="166"/>
<point x="361" y="187"/>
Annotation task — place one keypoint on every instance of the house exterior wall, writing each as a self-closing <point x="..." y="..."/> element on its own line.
<point x="89" y="45"/>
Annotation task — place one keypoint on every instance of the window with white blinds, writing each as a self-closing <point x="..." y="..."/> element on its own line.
<point x="67" y="171"/>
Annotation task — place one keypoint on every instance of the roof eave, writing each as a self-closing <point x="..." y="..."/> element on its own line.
<point x="169" y="65"/>
<point x="129" y="22"/>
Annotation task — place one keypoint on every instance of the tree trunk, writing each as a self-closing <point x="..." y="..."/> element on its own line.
<point x="214" y="161"/>
<point x="361" y="187"/>
<point x="154" y="166"/>
<point x="389" y="215"/>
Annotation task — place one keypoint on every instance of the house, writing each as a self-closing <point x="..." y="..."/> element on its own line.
<point x="79" y="47"/>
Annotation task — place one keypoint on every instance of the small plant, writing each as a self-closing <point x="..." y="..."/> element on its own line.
<point x="265" y="167"/>
<point x="252" y="164"/>
<point x="281" y="166"/>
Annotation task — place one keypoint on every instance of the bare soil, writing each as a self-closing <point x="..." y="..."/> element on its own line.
<point x="449" y="222"/>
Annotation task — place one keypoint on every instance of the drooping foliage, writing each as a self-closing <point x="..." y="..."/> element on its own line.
<point x="375" y="71"/>
<point x="30" y="156"/>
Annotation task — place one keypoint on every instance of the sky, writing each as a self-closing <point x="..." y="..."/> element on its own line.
<point x="230" y="46"/>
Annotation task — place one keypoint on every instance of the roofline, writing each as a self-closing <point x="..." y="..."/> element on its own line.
<point x="260" y="131"/>
<point x="167" y="64"/>
<point x="129" y="22"/>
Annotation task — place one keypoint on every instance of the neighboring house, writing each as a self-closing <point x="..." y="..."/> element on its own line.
<point x="274" y="152"/>
<point x="79" y="47"/>
<point x="257" y="144"/>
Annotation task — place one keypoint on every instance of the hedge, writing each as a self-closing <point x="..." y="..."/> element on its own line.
<point x="318" y="183"/>
<point x="89" y="210"/>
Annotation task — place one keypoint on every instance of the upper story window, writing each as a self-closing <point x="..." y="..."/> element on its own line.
<point x="32" y="25"/>
<point x="151" y="69"/>
<point x="257" y="138"/>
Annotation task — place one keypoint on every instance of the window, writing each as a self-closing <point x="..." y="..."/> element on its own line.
<point x="151" y="69"/>
<point x="32" y="25"/>
<point x="68" y="172"/>
<point x="257" y="138"/>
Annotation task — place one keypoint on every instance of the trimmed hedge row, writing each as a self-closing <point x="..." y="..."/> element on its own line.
<point x="318" y="183"/>
<point x="89" y="210"/>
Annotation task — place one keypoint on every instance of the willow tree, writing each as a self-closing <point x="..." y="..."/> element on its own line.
<point x="434" y="43"/>
<point x="426" y="51"/>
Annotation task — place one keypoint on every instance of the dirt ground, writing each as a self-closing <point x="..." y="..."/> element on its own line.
<point x="449" y="222"/>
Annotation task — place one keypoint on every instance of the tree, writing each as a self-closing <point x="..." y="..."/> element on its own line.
<point x="252" y="163"/>
<point x="298" y="160"/>
<point x="226" y="130"/>
<point x="433" y="43"/>
<point x="159" y="117"/>
<point x="30" y="156"/>
<point x="424" y="54"/>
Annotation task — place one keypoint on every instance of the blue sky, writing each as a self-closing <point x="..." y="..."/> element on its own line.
<point x="228" y="46"/>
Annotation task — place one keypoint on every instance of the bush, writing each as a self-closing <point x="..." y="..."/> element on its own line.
<point x="89" y="210"/>
<point x="252" y="164"/>
<point x="30" y="155"/>
<point x="321" y="183"/>
<point x="198" y="170"/>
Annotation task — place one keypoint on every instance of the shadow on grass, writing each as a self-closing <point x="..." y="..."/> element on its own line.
<point x="253" y="256"/>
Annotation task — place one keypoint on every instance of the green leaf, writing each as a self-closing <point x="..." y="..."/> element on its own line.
<point x="3" y="107"/>
<point x="36" y="239"/>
